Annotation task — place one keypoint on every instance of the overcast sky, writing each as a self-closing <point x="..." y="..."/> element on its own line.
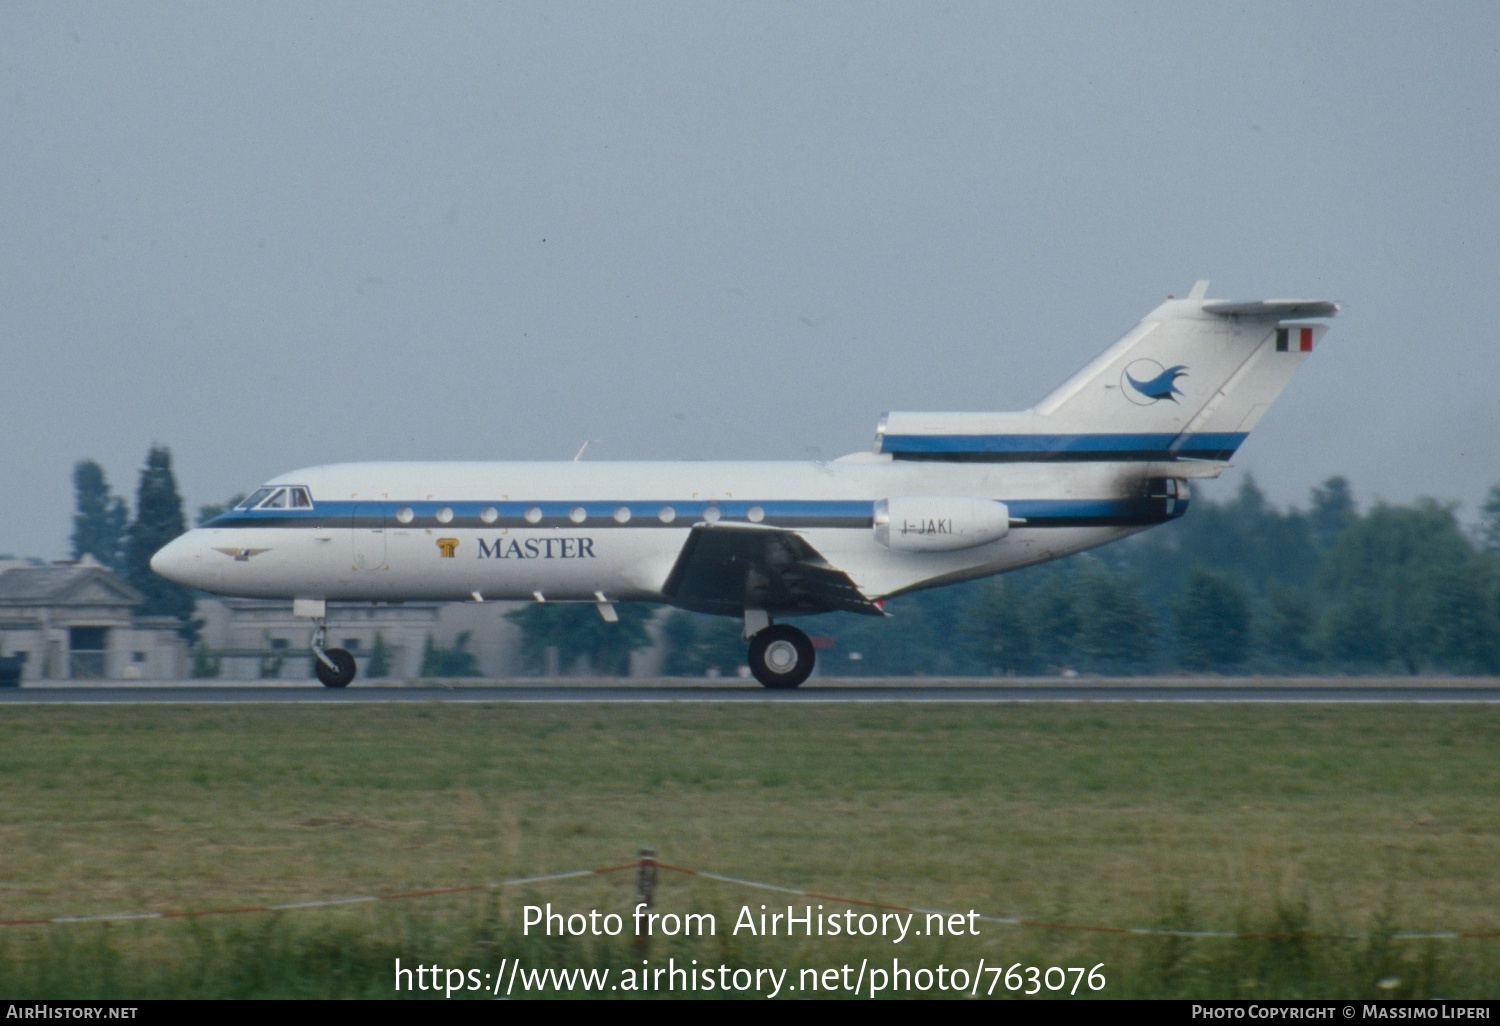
<point x="276" y="236"/>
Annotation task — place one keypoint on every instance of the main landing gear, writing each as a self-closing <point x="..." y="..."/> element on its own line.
<point x="781" y="656"/>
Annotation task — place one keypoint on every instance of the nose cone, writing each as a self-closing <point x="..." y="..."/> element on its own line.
<point x="180" y="561"/>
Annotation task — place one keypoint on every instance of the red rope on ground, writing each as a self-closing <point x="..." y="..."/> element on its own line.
<point x="648" y="862"/>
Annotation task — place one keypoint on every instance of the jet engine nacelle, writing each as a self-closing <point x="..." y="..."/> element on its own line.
<point x="939" y="523"/>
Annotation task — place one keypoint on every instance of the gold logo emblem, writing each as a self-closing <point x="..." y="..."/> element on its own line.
<point x="447" y="546"/>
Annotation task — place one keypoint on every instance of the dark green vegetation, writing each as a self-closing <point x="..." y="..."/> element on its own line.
<point x="102" y="529"/>
<point x="158" y="519"/>
<point x="1295" y="821"/>
<point x="101" y="521"/>
<point x="457" y="661"/>
<point x="579" y="635"/>
<point x="1235" y="586"/>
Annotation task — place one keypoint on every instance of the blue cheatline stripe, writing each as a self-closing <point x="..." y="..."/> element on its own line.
<point x="788" y="513"/>
<point x="685" y="513"/>
<point x="1082" y="447"/>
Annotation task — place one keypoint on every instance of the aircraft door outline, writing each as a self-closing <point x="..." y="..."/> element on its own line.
<point x="368" y="524"/>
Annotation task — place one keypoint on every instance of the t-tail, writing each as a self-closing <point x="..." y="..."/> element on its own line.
<point x="1186" y="385"/>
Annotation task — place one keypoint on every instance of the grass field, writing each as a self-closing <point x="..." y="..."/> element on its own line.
<point x="1294" y="820"/>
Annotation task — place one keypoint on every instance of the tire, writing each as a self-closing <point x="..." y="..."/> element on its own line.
<point x="781" y="656"/>
<point x="340" y="677"/>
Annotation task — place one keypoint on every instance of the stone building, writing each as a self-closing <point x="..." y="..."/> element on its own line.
<point x="76" y="621"/>
<point x="255" y="639"/>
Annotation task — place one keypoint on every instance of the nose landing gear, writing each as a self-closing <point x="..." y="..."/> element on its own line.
<point x="335" y="666"/>
<point x="339" y="669"/>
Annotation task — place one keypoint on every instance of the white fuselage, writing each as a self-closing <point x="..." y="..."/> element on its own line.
<point x="614" y="531"/>
<point x="943" y="497"/>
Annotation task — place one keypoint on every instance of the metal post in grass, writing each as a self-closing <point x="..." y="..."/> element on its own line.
<point x="645" y="894"/>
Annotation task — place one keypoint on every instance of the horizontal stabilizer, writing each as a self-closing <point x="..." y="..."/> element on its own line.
<point x="1274" y="309"/>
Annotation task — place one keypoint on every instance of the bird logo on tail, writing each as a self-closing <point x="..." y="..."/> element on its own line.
<point x="1145" y="382"/>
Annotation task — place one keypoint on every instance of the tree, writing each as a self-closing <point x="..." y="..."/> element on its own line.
<point x="158" y="519"/>
<point x="379" y="663"/>
<point x="214" y="509"/>
<point x="1246" y="539"/>
<point x="99" y="525"/>
<point x="698" y="645"/>
<point x="1213" y="622"/>
<point x="1395" y="577"/>
<point x="1117" y="632"/>
<point x="1001" y="637"/>
<point x="206" y="662"/>
<point x="1287" y="626"/>
<point x="1489" y="522"/>
<point x="457" y="661"/>
<point x="578" y="632"/>
<point x="1048" y="600"/>
<point x="1332" y="510"/>
<point x="1353" y="631"/>
<point x="1456" y="618"/>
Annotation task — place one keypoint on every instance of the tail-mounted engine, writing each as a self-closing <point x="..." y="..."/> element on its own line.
<point x="939" y="523"/>
<point x="1168" y="496"/>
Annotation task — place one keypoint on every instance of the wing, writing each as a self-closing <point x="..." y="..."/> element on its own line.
<point x="728" y="568"/>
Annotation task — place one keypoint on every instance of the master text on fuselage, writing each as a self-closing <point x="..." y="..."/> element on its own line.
<point x="537" y="548"/>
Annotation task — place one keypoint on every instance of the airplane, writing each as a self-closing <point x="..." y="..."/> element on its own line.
<point x="940" y="498"/>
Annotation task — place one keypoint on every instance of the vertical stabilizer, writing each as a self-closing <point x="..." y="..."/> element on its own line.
<point x="1188" y="382"/>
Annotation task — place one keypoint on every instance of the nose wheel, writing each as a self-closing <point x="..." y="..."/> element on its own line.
<point x="781" y="656"/>
<point x="335" y="666"/>
<point x="341" y="672"/>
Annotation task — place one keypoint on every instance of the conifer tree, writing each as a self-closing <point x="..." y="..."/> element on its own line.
<point x="100" y="522"/>
<point x="1332" y="510"/>
<point x="158" y="519"/>
<point x="1213" y="622"/>
<point x="379" y="664"/>
<point x="1118" y="631"/>
<point x="1489" y="523"/>
<point x="1002" y="639"/>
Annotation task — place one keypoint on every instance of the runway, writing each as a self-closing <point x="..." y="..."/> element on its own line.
<point x="816" y="692"/>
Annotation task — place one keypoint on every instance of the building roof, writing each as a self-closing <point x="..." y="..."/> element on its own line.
<point x="85" y="583"/>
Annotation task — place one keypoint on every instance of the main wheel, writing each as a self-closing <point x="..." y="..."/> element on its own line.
<point x="340" y="677"/>
<point x="781" y="656"/>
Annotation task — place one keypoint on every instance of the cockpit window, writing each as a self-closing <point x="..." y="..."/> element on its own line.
<point x="271" y="497"/>
<point x="254" y="499"/>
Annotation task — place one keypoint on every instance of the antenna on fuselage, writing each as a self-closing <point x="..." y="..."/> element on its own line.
<point x="815" y="453"/>
<point x="579" y="454"/>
